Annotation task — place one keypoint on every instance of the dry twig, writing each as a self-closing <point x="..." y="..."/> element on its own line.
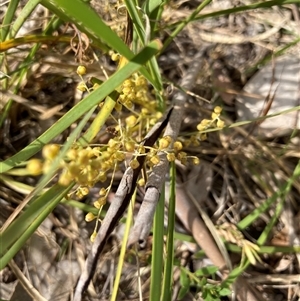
<point x="156" y="179"/>
<point x="116" y="210"/>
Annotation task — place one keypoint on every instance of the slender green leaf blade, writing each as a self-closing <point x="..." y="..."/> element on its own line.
<point x="15" y="236"/>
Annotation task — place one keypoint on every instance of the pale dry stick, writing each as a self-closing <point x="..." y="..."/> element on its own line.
<point x="279" y="278"/>
<point x="28" y="287"/>
<point x="143" y="222"/>
<point x="6" y="95"/>
<point x="212" y="37"/>
<point x="117" y="208"/>
<point x="45" y="113"/>
<point x="115" y="211"/>
<point x="79" y="250"/>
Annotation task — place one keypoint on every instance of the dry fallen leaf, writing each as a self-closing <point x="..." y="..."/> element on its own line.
<point x="278" y="82"/>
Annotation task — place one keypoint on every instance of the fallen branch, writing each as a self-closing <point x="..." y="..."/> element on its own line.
<point x="116" y="209"/>
<point x="143" y="222"/>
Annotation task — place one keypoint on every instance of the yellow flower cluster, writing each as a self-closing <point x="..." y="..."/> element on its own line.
<point x="89" y="165"/>
<point x="135" y="90"/>
<point x="36" y="167"/>
<point x="214" y="122"/>
<point x="82" y="86"/>
<point x="176" y="152"/>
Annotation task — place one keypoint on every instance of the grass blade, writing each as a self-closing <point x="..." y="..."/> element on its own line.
<point x="7" y="20"/>
<point x="24" y="15"/>
<point x="168" y="271"/>
<point x="157" y="250"/>
<point x="14" y="238"/>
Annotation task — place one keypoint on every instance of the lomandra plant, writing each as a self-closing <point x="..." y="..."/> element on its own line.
<point x="134" y="99"/>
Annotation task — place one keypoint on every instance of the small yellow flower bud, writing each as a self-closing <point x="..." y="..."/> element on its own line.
<point x="126" y="90"/>
<point x="187" y="143"/>
<point x="118" y="107"/>
<point x="206" y="122"/>
<point x="171" y="157"/>
<point x="65" y="178"/>
<point x="130" y="121"/>
<point x="81" y="70"/>
<point x="155" y="160"/>
<point x="104" y="166"/>
<point x="102" y="177"/>
<point x="141" y="182"/>
<point x="34" y="167"/>
<point x="220" y="124"/>
<point x="122" y="98"/>
<point x="96" y="86"/>
<point x="128" y="104"/>
<point x="97" y="152"/>
<point x="79" y="194"/>
<point x="91" y="176"/>
<point x="177" y="146"/>
<point x="89" y="217"/>
<point x="82" y="178"/>
<point x="183" y="161"/>
<point x="218" y="110"/>
<point x="95" y="164"/>
<point x="194" y="141"/>
<point x="201" y="127"/>
<point x="112" y="143"/>
<point x="84" y="190"/>
<point x="141" y="81"/>
<point x="144" y="111"/>
<point x="50" y="151"/>
<point x="102" y="201"/>
<point x="131" y="96"/>
<point x="47" y="166"/>
<point x="129" y="146"/>
<point x="81" y="87"/>
<point x="140" y="94"/>
<point x="115" y="57"/>
<point x="83" y="159"/>
<point x="181" y="155"/>
<point x="74" y="168"/>
<point x="102" y="191"/>
<point x="134" y="164"/>
<point x="196" y="161"/>
<point x="93" y="236"/>
<point x="214" y="116"/>
<point x="128" y="83"/>
<point x="158" y="115"/>
<point x="72" y="154"/>
<point x="164" y="142"/>
<point x="152" y="121"/>
<point x="120" y="156"/>
<point x="97" y="205"/>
